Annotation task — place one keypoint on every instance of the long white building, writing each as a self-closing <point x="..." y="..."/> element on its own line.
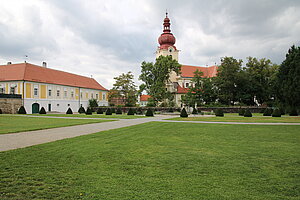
<point x="52" y="89"/>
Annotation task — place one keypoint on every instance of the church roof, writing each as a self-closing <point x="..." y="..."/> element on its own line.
<point x="144" y="97"/>
<point x="34" y="73"/>
<point x="187" y="71"/>
<point x="181" y="90"/>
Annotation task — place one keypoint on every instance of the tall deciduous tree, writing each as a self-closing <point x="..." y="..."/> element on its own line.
<point x="288" y="81"/>
<point x="261" y="76"/>
<point x="156" y="76"/>
<point x="125" y="88"/>
<point x="228" y="79"/>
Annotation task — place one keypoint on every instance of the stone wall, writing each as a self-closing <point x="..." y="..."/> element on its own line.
<point x="10" y="105"/>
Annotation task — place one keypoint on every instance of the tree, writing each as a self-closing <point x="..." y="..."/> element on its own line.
<point x="156" y="76"/>
<point x="227" y="80"/>
<point x="261" y="75"/>
<point x="93" y="103"/>
<point x="125" y="88"/>
<point x="288" y="79"/>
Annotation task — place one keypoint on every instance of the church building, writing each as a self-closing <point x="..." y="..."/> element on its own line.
<point x="179" y="84"/>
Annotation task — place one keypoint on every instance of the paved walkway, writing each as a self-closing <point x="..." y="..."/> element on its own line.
<point x="30" y="138"/>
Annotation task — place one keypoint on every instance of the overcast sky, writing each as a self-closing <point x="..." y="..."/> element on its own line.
<point x="105" y="38"/>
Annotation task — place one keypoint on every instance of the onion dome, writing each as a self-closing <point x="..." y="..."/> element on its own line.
<point x="166" y="39"/>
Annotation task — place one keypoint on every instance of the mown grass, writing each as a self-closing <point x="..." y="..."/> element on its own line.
<point x="159" y="161"/>
<point x="13" y="124"/>
<point x="94" y="115"/>
<point x="235" y="118"/>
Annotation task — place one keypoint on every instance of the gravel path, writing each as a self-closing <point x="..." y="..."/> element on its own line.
<point x="30" y="138"/>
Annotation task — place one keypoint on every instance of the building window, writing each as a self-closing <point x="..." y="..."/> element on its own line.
<point x="57" y="105"/>
<point x="96" y="96"/>
<point x="49" y="92"/>
<point x="65" y="93"/>
<point x="68" y="104"/>
<point x="186" y="85"/>
<point x="92" y="95"/>
<point x="57" y="93"/>
<point x="72" y="94"/>
<point x="104" y="97"/>
<point x="12" y="90"/>
<point x="2" y="90"/>
<point x="80" y="94"/>
<point x="35" y="91"/>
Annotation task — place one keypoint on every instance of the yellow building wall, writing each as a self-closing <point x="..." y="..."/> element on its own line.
<point x="87" y="95"/>
<point x="19" y="88"/>
<point x="100" y="95"/>
<point x="76" y="93"/>
<point x="6" y="88"/>
<point x="28" y="90"/>
<point x="43" y="91"/>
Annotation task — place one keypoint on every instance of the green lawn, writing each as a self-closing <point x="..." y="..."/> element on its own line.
<point x="124" y="116"/>
<point x="13" y="124"/>
<point x="159" y="160"/>
<point x="236" y="118"/>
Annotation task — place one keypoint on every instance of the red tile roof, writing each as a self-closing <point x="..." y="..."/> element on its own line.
<point x="188" y="71"/>
<point x="144" y="97"/>
<point x="181" y="90"/>
<point x="34" y="73"/>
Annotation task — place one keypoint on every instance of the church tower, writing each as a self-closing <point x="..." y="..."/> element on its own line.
<point x="166" y="41"/>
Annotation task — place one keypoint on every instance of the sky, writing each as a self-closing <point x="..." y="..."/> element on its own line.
<point x="105" y="38"/>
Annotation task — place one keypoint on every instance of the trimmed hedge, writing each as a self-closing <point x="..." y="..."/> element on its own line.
<point x="113" y="110"/>
<point x="293" y="112"/>
<point x="81" y="110"/>
<point x="42" y="111"/>
<point x="89" y="111"/>
<point x="108" y="111"/>
<point x="130" y="111"/>
<point x="268" y="112"/>
<point x="69" y="111"/>
<point x="276" y="113"/>
<point x="219" y="112"/>
<point x="149" y="113"/>
<point x="183" y="113"/>
<point x="22" y="110"/>
<point x="242" y="112"/>
<point x="0" y="111"/>
<point x="99" y="111"/>
<point x="195" y="112"/>
<point x="170" y="110"/>
<point x="247" y="113"/>
<point x="119" y="111"/>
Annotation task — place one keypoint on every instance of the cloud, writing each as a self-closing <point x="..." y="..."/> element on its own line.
<point x="107" y="38"/>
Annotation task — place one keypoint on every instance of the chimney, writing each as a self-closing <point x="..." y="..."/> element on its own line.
<point x="45" y="64"/>
<point x="8" y="63"/>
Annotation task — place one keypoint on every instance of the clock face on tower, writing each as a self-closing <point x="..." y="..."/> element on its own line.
<point x="171" y="49"/>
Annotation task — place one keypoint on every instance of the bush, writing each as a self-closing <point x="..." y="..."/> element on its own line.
<point x="170" y="110"/>
<point x="0" y="111"/>
<point x="268" y="112"/>
<point x="89" y="111"/>
<point x="130" y="111"/>
<point x="139" y="111"/>
<point x="195" y="111"/>
<point x="242" y="112"/>
<point x="99" y="111"/>
<point x="42" y="111"/>
<point x="262" y="111"/>
<point x="149" y="112"/>
<point x="247" y="113"/>
<point x="293" y="112"/>
<point x="69" y="111"/>
<point x="276" y="113"/>
<point x="119" y="111"/>
<point x="113" y="110"/>
<point x="108" y="111"/>
<point x="81" y="110"/>
<point x="22" y="110"/>
<point x="183" y="113"/>
<point x="219" y="112"/>
<point x="282" y="111"/>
